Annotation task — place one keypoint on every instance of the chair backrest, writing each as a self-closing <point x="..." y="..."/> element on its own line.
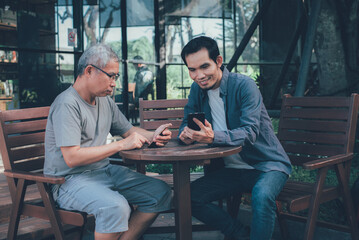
<point x="317" y="127"/>
<point x="154" y="113"/>
<point x="22" y="136"/>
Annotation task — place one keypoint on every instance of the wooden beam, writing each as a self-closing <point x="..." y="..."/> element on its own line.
<point x="160" y="47"/>
<point x="124" y="57"/>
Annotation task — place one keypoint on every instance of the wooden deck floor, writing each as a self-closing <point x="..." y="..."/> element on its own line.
<point x="36" y="229"/>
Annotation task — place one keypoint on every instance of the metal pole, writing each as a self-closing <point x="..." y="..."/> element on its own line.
<point x="160" y="45"/>
<point x="124" y="57"/>
<point x="247" y="36"/>
<point x="308" y="47"/>
<point x="78" y="24"/>
<point x="293" y="44"/>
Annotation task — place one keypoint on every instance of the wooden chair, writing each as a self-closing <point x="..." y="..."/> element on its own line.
<point x="22" y="136"/>
<point x="318" y="133"/>
<point x="154" y="113"/>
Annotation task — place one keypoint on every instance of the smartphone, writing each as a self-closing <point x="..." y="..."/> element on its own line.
<point x="158" y="131"/>
<point x="191" y="123"/>
<point x="153" y="144"/>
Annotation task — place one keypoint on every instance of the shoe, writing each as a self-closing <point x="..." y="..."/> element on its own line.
<point x="244" y="233"/>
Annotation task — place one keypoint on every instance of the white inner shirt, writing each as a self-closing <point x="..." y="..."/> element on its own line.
<point x="219" y="124"/>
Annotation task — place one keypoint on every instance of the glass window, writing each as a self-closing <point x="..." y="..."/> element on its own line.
<point x="64" y="24"/>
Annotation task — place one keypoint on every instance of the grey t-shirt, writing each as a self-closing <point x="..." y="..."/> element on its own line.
<point x="74" y="122"/>
<point x="219" y="124"/>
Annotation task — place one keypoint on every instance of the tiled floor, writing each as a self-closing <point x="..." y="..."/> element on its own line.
<point x="214" y="235"/>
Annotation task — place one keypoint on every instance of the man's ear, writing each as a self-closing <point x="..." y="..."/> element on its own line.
<point x="88" y="69"/>
<point x="219" y="61"/>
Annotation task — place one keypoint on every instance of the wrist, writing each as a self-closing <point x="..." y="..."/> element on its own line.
<point x="119" y="145"/>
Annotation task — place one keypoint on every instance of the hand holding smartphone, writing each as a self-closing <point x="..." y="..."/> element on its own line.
<point x="158" y="131"/>
<point x="191" y="124"/>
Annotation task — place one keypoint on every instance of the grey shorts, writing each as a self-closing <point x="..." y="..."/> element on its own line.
<point x="106" y="193"/>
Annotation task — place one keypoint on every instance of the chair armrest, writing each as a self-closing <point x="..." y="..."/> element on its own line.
<point x="324" y="162"/>
<point x="37" y="177"/>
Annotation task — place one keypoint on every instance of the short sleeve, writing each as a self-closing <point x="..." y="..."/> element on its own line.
<point x="67" y="125"/>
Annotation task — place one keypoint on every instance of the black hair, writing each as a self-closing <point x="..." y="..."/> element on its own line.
<point x="197" y="44"/>
<point x="138" y="57"/>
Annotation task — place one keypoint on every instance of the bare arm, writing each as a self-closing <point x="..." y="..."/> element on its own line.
<point x="134" y="138"/>
<point x="77" y="156"/>
<point x="141" y="131"/>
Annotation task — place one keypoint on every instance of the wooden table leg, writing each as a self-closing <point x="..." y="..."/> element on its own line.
<point x="182" y="200"/>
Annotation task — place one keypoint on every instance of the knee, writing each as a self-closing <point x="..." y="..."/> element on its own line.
<point x="166" y="194"/>
<point x="122" y="210"/>
<point x="113" y="219"/>
<point x="161" y="197"/>
<point x="263" y="198"/>
<point x="197" y="199"/>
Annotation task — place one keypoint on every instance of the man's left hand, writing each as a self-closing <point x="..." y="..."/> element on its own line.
<point x="205" y="135"/>
<point x="164" y="136"/>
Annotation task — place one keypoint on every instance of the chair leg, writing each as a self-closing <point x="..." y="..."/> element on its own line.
<point x="281" y="221"/>
<point x="80" y="232"/>
<point x="348" y="204"/>
<point x="233" y="204"/>
<point x="50" y="209"/>
<point x="16" y="209"/>
<point x="314" y="204"/>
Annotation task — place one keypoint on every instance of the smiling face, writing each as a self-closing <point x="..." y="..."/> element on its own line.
<point x="203" y="70"/>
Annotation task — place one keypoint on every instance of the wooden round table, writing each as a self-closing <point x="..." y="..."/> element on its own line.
<point x="181" y="157"/>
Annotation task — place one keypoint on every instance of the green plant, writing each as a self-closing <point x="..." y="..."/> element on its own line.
<point x="29" y="96"/>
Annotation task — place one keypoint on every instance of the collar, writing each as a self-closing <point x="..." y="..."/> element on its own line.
<point x="224" y="82"/>
<point x="223" y="86"/>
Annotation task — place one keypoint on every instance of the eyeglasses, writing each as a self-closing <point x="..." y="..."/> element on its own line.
<point x="114" y="77"/>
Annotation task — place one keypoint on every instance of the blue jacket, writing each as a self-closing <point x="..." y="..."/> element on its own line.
<point x="247" y="120"/>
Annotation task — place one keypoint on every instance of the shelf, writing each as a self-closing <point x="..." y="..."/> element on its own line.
<point x="12" y="72"/>
<point x="7" y="63"/>
<point x="46" y="32"/>
<point x="42" y="32"/>
<point x="7" y="27"/>
<point x="5" y="98"/>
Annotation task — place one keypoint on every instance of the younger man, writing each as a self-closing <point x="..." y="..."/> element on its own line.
<point x="235" y="115"/>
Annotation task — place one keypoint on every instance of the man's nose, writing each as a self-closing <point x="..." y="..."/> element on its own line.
<point x="200" y="74"/>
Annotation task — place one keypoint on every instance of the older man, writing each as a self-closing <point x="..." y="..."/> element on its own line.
<point x="79" y="121"/>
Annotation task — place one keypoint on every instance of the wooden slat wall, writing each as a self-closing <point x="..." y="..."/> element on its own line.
<point x="318" y="102"/>
<point x="22" y="114"/>
<point x="313" y="127"/>
<point x="164" y="103"/>
<point x="27" y="139"/>
<point x="23" y="127"/>
<point x="154" y="113"/>
<point x="24" y="131"/>
<point x="151" y="125"/>
<point x="163" y="114"/>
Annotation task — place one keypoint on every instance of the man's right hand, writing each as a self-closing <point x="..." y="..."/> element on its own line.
<point x="135" y="140"/>
<point x="185" y="137"/>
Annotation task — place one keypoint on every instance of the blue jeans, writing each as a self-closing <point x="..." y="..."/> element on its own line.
<point x="220" y="184"/>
